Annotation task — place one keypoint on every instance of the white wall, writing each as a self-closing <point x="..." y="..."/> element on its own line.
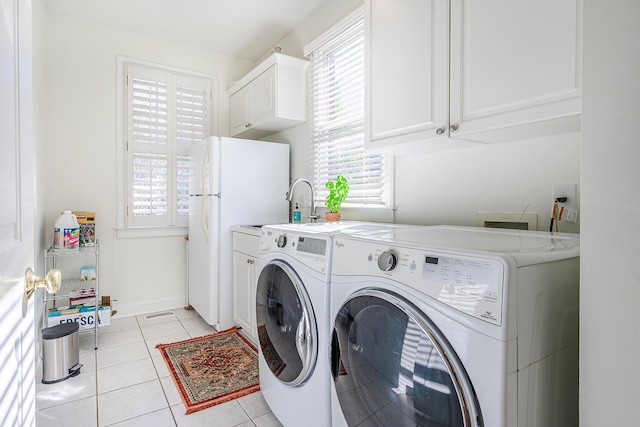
<point x="76" y="124"/>
<point x="610" y="237"/>
<point x="451" y="187"/>
<point x="321" y="20"/>
<point x="298" y="140"/>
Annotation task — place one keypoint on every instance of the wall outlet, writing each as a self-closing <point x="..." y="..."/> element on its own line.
<point x="569" y="191"/>
<point x="565" y="190"/>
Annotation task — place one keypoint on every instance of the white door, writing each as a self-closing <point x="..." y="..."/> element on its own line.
<point x="17" y="192"/>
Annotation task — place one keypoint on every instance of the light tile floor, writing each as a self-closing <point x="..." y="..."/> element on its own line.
<point x="126" y="382"/>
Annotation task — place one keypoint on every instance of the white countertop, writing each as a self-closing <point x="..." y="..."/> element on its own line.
<point x="246" y="229"/>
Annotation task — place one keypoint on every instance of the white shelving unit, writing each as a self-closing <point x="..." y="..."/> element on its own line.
<point x="51" y="259"/>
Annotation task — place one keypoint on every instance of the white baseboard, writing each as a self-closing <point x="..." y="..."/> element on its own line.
<point x="148" y="306"/>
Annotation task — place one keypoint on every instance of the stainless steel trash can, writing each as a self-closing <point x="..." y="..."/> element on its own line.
<point x="60" y="352"/>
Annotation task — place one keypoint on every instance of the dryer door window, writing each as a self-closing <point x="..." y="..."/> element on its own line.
<point x="392" y="366"/>
<point x="287" y="327"/>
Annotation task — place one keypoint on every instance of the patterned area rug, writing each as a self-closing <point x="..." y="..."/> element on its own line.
<point x="212" y="369"/>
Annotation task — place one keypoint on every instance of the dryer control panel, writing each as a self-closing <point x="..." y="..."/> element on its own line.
<point x="472" y="284"/>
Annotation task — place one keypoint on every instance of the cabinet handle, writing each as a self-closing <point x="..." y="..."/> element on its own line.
<point x="439" y="131"/>
<point x="248" y="125"/>
<point x="453" y="127"/>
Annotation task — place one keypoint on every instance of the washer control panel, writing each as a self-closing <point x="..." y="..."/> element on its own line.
<point x="281" y="241"/>
<point x="387" y="260"/>
<point x="469" y="283"/>
<point x="313" y="251"/>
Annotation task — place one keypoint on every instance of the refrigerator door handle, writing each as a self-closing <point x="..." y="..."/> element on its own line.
<point x="205" y="162"/>
<point x="205" y="227"/>
<point x="206" y="195"/>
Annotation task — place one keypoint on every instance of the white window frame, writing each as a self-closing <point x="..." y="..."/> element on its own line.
<point x="383" y="211"/>
<point x="124" y="226"/>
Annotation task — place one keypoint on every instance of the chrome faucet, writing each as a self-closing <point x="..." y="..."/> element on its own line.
<point x="312" y="212"/>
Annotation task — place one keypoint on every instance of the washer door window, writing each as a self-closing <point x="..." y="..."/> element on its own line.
<point x="392" y="366"/>
<point x="287" y="327"/>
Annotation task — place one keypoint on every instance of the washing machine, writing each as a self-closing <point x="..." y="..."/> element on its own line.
<point x="292" y="308"/>
<point x="454" y="326"/>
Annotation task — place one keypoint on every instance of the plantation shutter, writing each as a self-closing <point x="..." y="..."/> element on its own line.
<point x="192" y="124"/>
<point x="166" y="113"/>
<point x="336" y="106"/>
<point x="148" y="146"/>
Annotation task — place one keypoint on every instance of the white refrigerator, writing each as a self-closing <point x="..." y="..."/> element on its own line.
<point x="232" y="182"/>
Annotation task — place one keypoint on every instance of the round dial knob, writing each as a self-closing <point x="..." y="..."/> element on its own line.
<point x="282" y="241"/>
<point x="387" y="261"/>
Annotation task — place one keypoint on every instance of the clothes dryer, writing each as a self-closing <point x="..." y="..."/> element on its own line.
<point x="454" y="326"/>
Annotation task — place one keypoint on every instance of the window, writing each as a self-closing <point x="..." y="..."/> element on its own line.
<point x="336" y="127"/>
<point x="164" y="112"/>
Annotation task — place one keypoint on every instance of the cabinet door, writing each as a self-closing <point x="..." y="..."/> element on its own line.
<point x="239" y="112"/>
<point x="263" y="96"/>
<point x="245" y="277"/>
<point x="407" y="70"/>
<point x="241" y="297"/>
<point x="515" y="68"/>
<point x="252" y="274"/>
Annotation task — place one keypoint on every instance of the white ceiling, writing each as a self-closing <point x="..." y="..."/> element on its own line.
<point x="242" y="28"/>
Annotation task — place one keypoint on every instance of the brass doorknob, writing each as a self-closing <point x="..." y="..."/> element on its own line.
<point x="51" y="282"/>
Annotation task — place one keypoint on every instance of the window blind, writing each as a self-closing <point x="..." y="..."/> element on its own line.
<point x="336" y="106"/>
<point x="167" y="112"/>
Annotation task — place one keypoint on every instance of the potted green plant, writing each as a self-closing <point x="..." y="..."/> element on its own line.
<point x="338" y="191"/>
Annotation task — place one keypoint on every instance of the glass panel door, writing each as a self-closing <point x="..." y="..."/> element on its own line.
<point x="392" y="366"/>
<point x="287" y="327"/>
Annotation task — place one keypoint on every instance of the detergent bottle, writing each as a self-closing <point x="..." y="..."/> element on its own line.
<point x="66" y="233"/>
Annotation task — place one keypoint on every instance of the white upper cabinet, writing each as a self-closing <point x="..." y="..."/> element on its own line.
<point x="271" y="98"/>
<point x="406" y="72"/>
<point x="516" y="68"/>
<point x="446" y="74"/>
